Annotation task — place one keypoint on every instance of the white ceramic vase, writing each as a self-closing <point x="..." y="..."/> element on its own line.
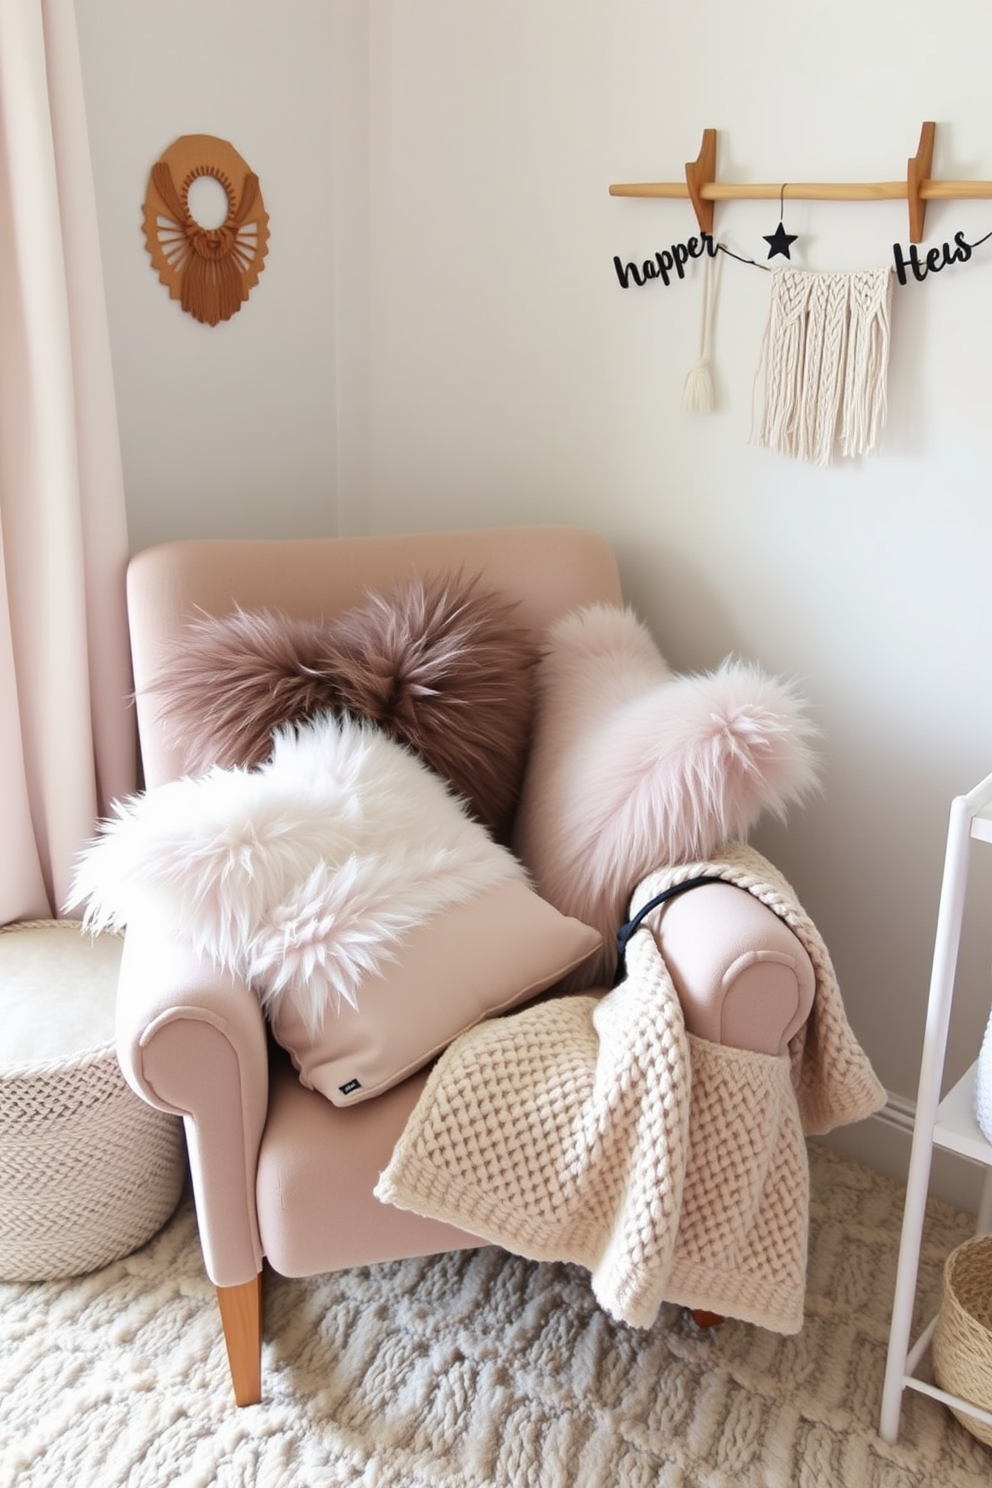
<point x="983" y="1083"/>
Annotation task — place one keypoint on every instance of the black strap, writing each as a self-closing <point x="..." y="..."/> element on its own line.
<point x="672" y="892"/>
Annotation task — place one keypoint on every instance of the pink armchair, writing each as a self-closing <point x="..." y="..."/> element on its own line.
<point x="278" y="1172"/>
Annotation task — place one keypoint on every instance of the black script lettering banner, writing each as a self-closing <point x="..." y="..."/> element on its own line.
<point x="933" y="261"/>
<point x="665" y="263"/>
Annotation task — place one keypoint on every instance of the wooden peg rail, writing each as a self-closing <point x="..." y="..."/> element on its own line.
<point x="703" y="189"/>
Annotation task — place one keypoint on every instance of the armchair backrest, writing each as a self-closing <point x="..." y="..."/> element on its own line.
<point x="547" y="570"/>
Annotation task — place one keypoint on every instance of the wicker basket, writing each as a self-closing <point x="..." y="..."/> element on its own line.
<point x="88" y="1171"/>
<point x="962" y="1341"/>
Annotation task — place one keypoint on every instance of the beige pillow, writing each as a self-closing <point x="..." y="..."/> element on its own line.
<point x="468" y="963"/>
<point x="347" y="884"/>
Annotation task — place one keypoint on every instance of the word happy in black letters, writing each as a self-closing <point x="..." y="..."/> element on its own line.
<point x="664" y="264"/>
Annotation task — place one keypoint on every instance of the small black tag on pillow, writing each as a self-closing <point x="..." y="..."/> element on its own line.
<point x="350" y="1087"/>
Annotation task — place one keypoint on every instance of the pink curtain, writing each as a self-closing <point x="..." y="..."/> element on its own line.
<point x="67" y="743"/>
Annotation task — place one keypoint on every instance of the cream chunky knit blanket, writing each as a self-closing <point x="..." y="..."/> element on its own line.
<point x="594" y="1129"/>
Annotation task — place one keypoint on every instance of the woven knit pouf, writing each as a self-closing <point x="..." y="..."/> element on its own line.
<point x="88" y="1171"/>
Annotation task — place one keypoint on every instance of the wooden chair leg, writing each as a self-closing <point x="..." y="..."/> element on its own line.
<point x="241" y="1316"/>
<point x="704" y="1319"/>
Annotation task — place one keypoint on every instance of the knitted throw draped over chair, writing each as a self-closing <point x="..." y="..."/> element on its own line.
<point x="825" y="359"/>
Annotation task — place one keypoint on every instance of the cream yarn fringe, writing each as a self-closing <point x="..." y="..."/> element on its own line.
<point x="698" y="395"/>
<point x="825" y="361"/>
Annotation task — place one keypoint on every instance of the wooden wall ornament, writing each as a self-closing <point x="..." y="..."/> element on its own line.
<point x="210" y="270"/>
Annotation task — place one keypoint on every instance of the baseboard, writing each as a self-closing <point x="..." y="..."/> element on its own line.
<point x="883" y="1142"/>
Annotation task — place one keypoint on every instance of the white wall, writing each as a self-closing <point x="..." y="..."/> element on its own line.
<point x="473" y="360"/>
<point x="226" y="428"/>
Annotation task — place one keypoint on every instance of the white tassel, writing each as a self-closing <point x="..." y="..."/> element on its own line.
<point x="697" y="395"/>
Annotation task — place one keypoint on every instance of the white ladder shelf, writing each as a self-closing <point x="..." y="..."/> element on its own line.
<point x="949" y="1123"/>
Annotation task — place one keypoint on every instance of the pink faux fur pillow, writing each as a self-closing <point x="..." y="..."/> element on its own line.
<point x="439" y="664"/>
<point x="632" y="768"/>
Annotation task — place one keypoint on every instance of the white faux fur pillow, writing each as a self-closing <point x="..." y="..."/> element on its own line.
<point x="309" y="876"/>
<point x="632" y="767"/>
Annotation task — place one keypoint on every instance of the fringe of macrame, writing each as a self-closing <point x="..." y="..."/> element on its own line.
<point x="825" y="361"/>
<point x="865" y="402"/>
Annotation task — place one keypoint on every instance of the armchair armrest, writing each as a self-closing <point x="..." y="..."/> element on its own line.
<point x="191" y="1041"/>
<point x="742" y="976"/>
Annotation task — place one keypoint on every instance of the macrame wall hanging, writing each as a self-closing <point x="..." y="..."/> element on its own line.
<point x="825" y="352"/>
<point x="210" y="270"/>
<point x="824" y="361"/>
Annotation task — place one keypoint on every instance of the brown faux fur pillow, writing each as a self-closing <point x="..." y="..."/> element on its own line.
<point x="437" y="663"/>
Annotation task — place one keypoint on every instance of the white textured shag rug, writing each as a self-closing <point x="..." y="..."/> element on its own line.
<point x="475" y="1369"/>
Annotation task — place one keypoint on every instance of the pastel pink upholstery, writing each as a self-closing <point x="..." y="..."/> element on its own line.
<point x="753" y="993"/>
<point x="278" y="1172"/>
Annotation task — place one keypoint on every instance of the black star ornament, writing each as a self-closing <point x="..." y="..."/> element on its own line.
<point x="780" y="242"/>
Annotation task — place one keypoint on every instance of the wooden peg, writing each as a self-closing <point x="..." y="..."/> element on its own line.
<point x="918" y="172"/>
<point x="699" y="173"/>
